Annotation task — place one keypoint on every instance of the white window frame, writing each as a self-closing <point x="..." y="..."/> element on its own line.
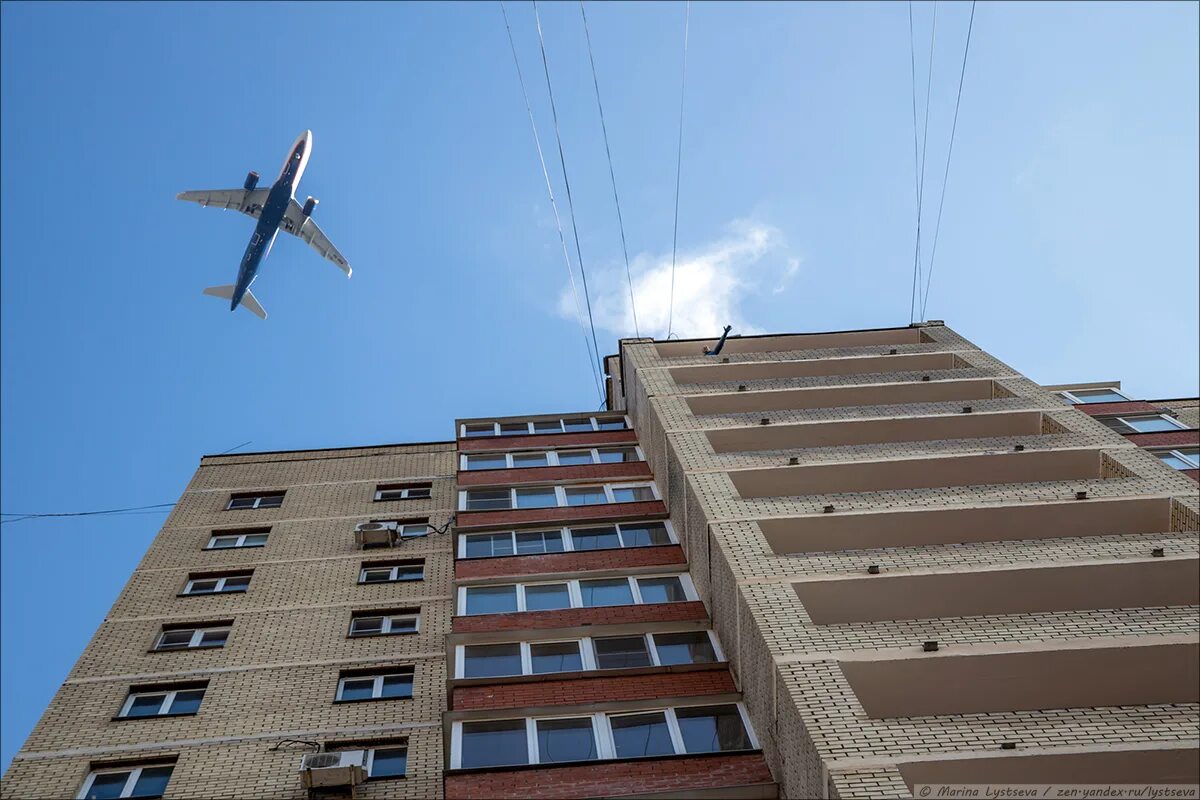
<point x="394" y="572"/>
<point x="135" y="773"/>
<point x="168" y="699"/>
<point x="369" y="760"/>
<point x="385" y="628"/>
<point x="587" y="651"/>
<point x="258" y="500"/>
<point x="551" y="457"/>
<point x="220" y="587"/>
<point x="405" y="493"/>
<point x="377" y="688"/>
<point x="593" y="419"/>
<point x="560" y="494"/>
<point x="1124" y="420"/>
<point x="239" y="540"/>
<point x="574" y="593"/>
<point x="197" y="637"/>
<point x="1194" y="460"/>
<point x="568" y="537"/>
<point x="1077" y="400"/>
<point x="601" y="732"/>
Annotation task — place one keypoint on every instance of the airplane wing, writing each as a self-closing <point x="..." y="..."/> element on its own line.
<point x="302" y="227"/>
<point x="249" y="203"/>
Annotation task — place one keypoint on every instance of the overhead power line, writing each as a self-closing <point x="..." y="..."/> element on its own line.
<point x="611" y="173"/>
<point x="562" y="160"/>
<point x="18" y="517"/>
<point x="949" y="153"/>
<point x="553" y="203"/>
<point x="687" y="15"/>
<point x="917" y="275"/>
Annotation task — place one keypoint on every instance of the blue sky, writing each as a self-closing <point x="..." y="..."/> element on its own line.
<point x="1068" y="244"/>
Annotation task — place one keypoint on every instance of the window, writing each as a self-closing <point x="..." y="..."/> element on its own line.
<point x="558" y="540"/>
<point x="391" y="572"/>
<point x="383" y="623"/>
<point x="548" y="657"/>
<point x="192" y="638"/>
<point x="607" y="592"/>
<point x="109" y="784"/>
<point x="227" y="540"/>
<point x="641" y="734"/>
<point x="163" y="703"/>
<point x="1105" y="395"/>
<point x="555" y="496"/>
<point x="386" y="762"/>
<point x="622" y="652"/>
<point x="1180" y="458"/>
<point x="375" y="686"/>
<point x="490" y="660"/>
<point x="711" y="729"/>
<point x="571" y="739"/>
<point x="551" y="458"/>
<point x="693" y="647"/>
<point x="472" y="430"/>
<point x="254" y="500"/>
<point x="1146" y="423"/>
<point x="403" y="491"/>
<point x="596" y="593"/>
<point x="493" y="744"/>
<point x="218" y="584"/>
<point x="586" y="654"/>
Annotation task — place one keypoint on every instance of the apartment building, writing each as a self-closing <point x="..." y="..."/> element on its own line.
<point x="1168" y="428"/>
<point x="811" y="565"/>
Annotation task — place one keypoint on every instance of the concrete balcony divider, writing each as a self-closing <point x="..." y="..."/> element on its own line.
<point x="879" y="394"/>
<point x="834" y="532"/>
<point x="1168" y="764"/>
<point x="814" y="367"/>
<point x="875" y="431"/>
<point x="1092" y="677"/>
<point x="1132" y="584"/>
<point x="919" y="473"/>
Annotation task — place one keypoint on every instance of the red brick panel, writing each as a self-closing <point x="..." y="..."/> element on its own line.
<point x="1194" y="474"/>
<point x="664" y="555"/>
<point x="547" y="441"/>
<point x="624" y="470"/>
<point x="467" y="520"/>
<point x="593" y="689"/>
<point x="611" y="778"/>
<point x="1130" y="407"/>
<point x="573" y="617"/>
<point x="1165" y="438"/>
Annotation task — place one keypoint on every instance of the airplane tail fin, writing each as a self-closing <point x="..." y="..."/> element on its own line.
<point x="248" y="300"/>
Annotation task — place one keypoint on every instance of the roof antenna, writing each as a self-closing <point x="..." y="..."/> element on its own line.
<point x="717" y="350"/>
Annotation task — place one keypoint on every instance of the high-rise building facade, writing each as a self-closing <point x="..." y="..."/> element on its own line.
<point x="812" y="565"/>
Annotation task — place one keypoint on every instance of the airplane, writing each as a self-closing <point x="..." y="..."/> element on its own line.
<point x="275" y="209"/>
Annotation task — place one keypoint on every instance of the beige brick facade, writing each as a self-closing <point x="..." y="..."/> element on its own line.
<point x="277" y="676"/>
<point x="818" y="737"/>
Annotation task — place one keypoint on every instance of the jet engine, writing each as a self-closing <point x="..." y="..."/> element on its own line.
<point x="309" y="205"/>
<point x="251" y="181"/>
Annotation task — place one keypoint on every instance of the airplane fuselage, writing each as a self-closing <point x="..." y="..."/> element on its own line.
<point x="273" y="211"/>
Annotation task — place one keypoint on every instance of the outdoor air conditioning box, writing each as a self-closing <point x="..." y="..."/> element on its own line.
<point x="344" y="768"/>
<point x="375" y="534"/>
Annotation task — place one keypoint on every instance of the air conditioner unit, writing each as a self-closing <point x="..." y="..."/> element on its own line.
<point x="344" y="768"/>
<point x="374" y="534"/>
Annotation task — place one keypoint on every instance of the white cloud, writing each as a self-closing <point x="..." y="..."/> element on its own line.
<point x="711" y="283"/>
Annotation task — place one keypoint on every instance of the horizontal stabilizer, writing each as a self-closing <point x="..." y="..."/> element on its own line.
<point x="250" y="302"/>
<point x="220" y="291"/>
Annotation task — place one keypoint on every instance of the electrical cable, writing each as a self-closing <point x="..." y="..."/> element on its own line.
<point x="949" y="153"/>
<point x="550" y="191"/>
<point x="687" y="15"/>
<point x="912" y="56"/>
<point x="567" y="183"/>
<point x="925" y="147"/>
<point x="111" y="511"/>
<point x="611" y="173"/>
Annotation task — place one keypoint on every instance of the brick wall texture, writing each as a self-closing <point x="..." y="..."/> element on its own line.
<point x="276" y="678"/>
<point x="817" y="738"/>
